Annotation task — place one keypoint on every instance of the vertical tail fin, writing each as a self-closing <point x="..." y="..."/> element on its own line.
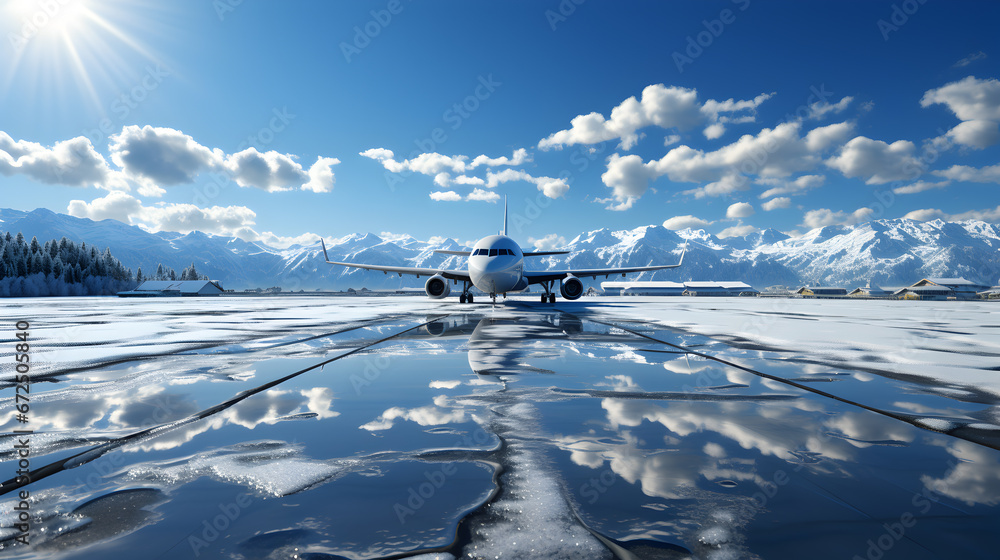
<point x="504" y="232"/>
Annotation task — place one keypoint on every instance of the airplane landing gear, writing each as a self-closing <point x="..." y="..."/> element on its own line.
<point x="465" y="296"/>
<point x="548" y="295"/>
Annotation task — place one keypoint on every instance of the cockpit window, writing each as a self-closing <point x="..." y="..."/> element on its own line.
<point x="477" y="252"/>
<point x="493" y="252"/>
<point x="503" y="251"/>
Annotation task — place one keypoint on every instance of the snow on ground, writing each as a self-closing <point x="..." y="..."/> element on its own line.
<point x="948" y="342"/>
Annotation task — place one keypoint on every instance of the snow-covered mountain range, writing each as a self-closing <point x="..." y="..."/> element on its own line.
<point x="887" y="252"/>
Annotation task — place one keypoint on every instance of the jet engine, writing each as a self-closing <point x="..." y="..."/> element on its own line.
<point x="437" y="287"/>
<point x="571" y="287"/>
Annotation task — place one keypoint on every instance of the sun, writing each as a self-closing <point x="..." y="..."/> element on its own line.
<point x="70" y="47"/>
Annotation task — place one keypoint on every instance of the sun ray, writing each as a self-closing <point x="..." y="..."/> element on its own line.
<point x="87" y="50"/>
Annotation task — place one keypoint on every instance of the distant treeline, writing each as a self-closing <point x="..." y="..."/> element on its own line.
<point x="63" y="268"/>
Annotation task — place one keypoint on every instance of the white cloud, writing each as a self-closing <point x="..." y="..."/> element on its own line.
<point x="775" y="203"/>
<point x="483" y="195"/>
<point x="989" y="174"/>
<point x="73" y="163"/>
<point x="970" y="99"/>
<point x="825" y="137"/>
<point x="824" y="217"/>
<point x="183" y="218"/>
<point x="665" y="107"/>
<point x="450" y="196"/>
<point x="737" y="231"/>
<point x="551" y="187"/>
<point x="772" y="153"/>
<point x="270" y="171"/>
<point x="684" y="222"/>
<point x="161" y="156"/>
<point x="920" y="186"/>
<point x="671" y="139"/>
<point x="441" y="166"/>
<point x="229" y="221"/>
<point x="820" y="109"/>
<point x="115" y="206"/>
<point x="321" y="177"/>
<point x="739" y="210"/>
<point x="987" y="215"/>
<point x="976" y="103"/>
<point x="975" y="134"/>
<point x="550" y="242"/>
<point x="798" y="186"/>
<point x="156" y="157"/>
<point x="875" y="161"/>
<point x="970" y="59"/>
<point x="629" y="177"/>
<point x="280" y="242"/>
<point x="466" y="180"/>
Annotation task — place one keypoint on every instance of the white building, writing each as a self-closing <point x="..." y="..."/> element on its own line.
<point x="960" y="287"/>
<point x="179" y="288"/>
<point x="640" y="288"/>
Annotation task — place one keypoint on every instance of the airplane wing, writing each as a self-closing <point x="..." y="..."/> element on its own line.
<point x="544" y="253"/>
<point x="401" y="270"/>
<point x="456" y="253"/>
<point x="539" y="276"/>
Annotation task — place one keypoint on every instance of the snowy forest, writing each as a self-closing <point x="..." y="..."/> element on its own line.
<point x="63" y="268"/>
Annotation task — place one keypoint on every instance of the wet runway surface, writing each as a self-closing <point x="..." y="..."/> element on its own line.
<point x="404" y="427"/>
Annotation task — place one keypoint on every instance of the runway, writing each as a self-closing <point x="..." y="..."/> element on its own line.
<point x="411" y="428"/>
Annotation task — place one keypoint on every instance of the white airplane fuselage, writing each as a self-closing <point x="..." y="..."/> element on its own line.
<point x="496" y="265"/>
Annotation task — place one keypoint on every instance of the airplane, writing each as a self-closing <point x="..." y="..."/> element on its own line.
<point x="496" y="266"/>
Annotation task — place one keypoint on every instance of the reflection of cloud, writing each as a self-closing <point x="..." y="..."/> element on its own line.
<point x="435" y="415"/>
<point x="776" y="428"/>
<point x="975" y="480"/>
<point x="866" y="427"/>
<point x="445" y="384"/>
<point x="268" y="407"/>
<point x="682" y="366"/>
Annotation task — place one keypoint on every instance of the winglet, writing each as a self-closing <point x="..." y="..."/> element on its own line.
<point x="684" y="250"/>
<point x="504" y="232"/>
<point x="325" y="256"/>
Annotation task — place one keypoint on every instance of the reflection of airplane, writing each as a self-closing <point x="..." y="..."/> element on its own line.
<point x="499" y="346"/>
<point x="496" y="266"/>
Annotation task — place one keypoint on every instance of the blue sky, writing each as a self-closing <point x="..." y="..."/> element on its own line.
<point x="279" y="122"/>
